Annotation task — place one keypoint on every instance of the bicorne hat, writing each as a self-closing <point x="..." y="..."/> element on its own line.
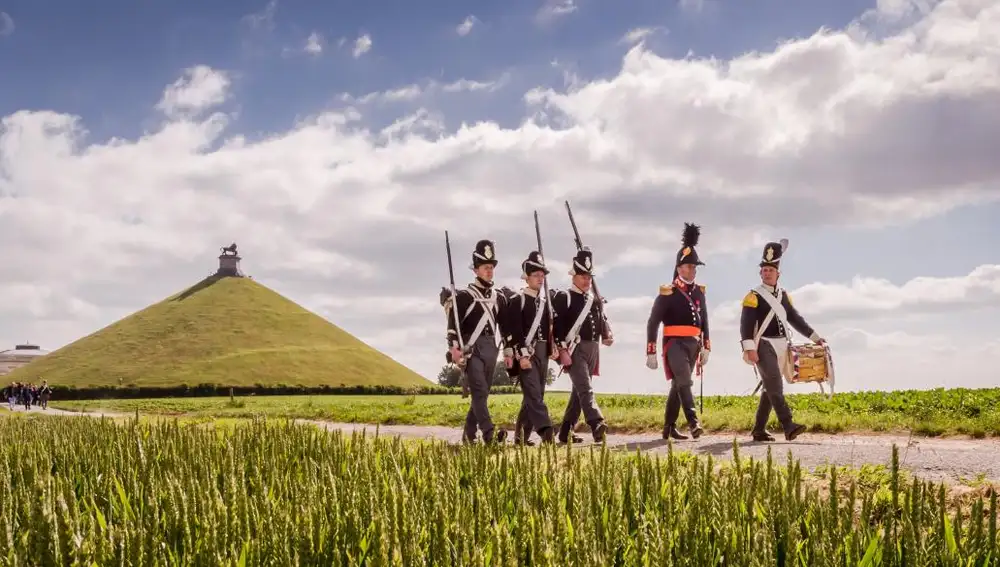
<point x="485" y="253"/>
<point x="583" y="263"/>
<point x="773" y="252"/>
<point x="534" y="263"/>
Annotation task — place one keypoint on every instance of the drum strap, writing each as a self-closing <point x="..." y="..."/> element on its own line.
<point x="777" y="309"/>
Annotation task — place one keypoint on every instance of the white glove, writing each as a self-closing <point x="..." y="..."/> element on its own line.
<point x="704" y="357"/>
<point x="651" y="362"/>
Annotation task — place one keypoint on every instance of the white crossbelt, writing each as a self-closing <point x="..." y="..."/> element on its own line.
<point x="529" y="339"/>
<point x="487" y="314"/>
<point x="574" y="331"/>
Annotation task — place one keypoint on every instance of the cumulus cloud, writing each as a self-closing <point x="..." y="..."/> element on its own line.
<point x="199" y="88"/>
<point x="874" y="297"/>
<point x="362" y="45"/>
<point x="314" y="44"/>
<point x="338" y="215"/>
<point x="465" y="28"/>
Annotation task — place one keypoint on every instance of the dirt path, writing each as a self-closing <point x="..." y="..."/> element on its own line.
<point x="951" y="460"/>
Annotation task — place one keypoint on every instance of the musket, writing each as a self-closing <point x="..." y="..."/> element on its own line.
<point x="545" y="279"/>
<point x="454" y="311"/>
<point x="593" y="281"/>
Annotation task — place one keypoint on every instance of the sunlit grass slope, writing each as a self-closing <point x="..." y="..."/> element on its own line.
<point x="222" y="331"/>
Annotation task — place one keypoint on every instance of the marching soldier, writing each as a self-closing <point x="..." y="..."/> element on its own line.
<point x="578" y="328"/>
<point x="478" y="306"/>
<point x="681" y="308"/>
<point x="765" y="342"/>
<point x="530" y="326"/>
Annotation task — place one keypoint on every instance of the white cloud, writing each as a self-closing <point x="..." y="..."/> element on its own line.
<point x="314" y="44"/>
<point x="835" y="129"/>
<point x="465" y="28"/>
<point x="362" y="45"/>
<point x="412" y="92"/>
<point x="636" y="35"/>
<point x="264" y="19"/>
<point x="200" y="88"/>
<point x="552" y="10"/>
<point x="866" y="298"/>
<point x="6" y="24"/>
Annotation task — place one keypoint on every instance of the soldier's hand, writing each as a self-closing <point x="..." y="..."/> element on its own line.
<point x="753" y="356"/>
<point x="456" y="355"/>
<point x="703" y="357"/>
<point x="525" y="363"/>
<point x="564" y="358"/>
<point x="608" y="341"/>
<point x="508" y="361"/>
<point x="651" y="362"/>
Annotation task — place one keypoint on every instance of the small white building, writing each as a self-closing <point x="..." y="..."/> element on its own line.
<point x="19" y="356"/>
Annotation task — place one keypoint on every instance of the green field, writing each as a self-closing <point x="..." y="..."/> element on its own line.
<point x="80" y="491"/>
<point x="934" y="412"/>
<point x="221" y="331"/>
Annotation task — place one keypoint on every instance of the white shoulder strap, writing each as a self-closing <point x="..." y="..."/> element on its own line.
<point x="777" y="309"/>
<point x="528" y="339"/>
<point x="575" y="330"/>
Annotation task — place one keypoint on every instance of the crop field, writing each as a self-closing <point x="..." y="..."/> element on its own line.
<point x="82" y="491"/>
<point x="974" y="412"/>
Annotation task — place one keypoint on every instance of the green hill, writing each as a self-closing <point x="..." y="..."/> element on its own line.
<point x="224" y="331"/>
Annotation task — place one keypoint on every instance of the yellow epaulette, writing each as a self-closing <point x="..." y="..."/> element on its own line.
<point x="666" y="289"/>
<point x="702" y="288"/>
<point x="750" y="300"/>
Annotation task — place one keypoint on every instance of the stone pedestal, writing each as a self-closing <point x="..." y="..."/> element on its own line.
<point x="229" y="266"/>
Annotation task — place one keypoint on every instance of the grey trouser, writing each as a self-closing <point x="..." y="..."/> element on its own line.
<point x="479" y="369"/>
<point x="773" y="395"/>
<point x="581" y="396"/>
<point x="534" y="413"/>
<point x="681" y="355"/>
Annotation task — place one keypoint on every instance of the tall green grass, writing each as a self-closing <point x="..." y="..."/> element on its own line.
<point x="86" y="491"/>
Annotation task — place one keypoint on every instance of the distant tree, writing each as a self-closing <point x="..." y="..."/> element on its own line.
<point x="449" y="376"/>
<point x="550" y="377"/>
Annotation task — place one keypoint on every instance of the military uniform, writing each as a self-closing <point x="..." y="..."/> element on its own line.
<point x="579" y="326"/>
<point x="529" y="323"/>
<point x="479" y="306"/>
<point x="771" y="343"/>
<point x="681" y="308"/>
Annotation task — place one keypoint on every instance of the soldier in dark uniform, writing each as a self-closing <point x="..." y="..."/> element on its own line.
<point x="529" y="323"/>
<point x="681" y="308"/>
<point x="478" y="306"/>
<point x="766" y="347"/>
<point x="579" y="330"/>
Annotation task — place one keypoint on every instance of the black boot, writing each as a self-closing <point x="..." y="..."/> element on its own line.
<point x="548" y="436"/>
<point x="794" y="431"/>
<point x="762" y="435"/>
<point x="600" y="431"/>
<point x="696" y="429"/>
<point x="564" y="432"/>
<point x="671" y="432"/>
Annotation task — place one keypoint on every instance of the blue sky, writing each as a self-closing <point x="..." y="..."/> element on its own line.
<point x="109" y="65"/>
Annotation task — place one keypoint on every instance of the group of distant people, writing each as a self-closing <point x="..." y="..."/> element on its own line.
<point x="28" y="395"/>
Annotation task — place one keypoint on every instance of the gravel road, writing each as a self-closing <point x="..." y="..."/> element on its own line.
<point x="949" y="459"/>
<point x="938" y="459"/>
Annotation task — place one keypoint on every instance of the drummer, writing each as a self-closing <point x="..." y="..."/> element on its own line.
<point x="768" y="347"/>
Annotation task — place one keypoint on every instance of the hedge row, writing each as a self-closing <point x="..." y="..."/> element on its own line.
<point x="209" y="390"/>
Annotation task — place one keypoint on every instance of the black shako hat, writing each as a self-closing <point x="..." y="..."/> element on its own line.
<point x="534" y="263"/>
<point x="773" y="252"/>
<point x="583" y="263"/>
<point x="485" y="253"/>
<point x="687" y="254"/>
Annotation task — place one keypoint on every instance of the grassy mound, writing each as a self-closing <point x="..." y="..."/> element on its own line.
<point x="222" y="331"/>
